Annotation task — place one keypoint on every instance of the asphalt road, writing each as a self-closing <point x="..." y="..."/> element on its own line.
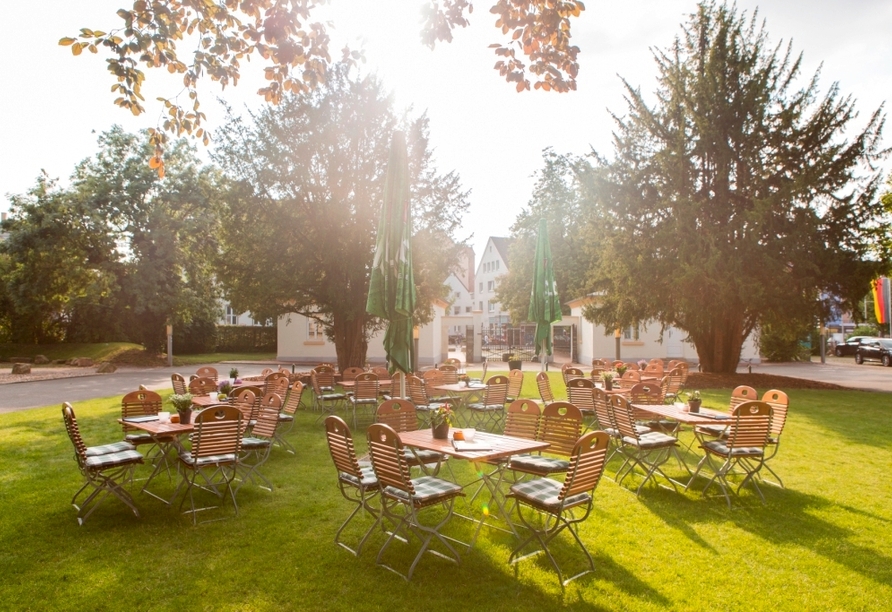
<point x="21" y="396"/>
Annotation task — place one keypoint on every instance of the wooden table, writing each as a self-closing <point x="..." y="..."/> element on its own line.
<point x="501" y="447"/>
<point x="203" y="401"/>
<point x="166" y="436"/>
<point x="464" y="394"/>
<point x="382" y="384"/>
<point x="679" y="413"/>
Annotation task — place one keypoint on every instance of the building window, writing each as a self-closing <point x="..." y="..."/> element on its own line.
<point x="497" y="264"/>
<point x="631" y="333"/>
<point x="467" y="309"/>
<point x="231" y="316"/>
<point x="481" y="306"/>
<point x="490" y="286"/>
<point x="492" y="306"/>
<point x="457" y="310"/>
<point x="314" y="330"/>
<point x="481" y="286"/>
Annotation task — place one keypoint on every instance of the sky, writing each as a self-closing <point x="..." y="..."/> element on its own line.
<point x="55" y="105"/>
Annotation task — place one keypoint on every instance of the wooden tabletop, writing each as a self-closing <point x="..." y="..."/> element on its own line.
<point x="158" y="428"/>
<point x="459" y="388"/>
<point x="681" y="414"/>
<point x="349" y="384"/>
<point x="502" y="446"/>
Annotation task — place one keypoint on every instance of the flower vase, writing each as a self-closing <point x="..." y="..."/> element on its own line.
<point x="440" y="431"/>
<point x="694" y="405"/>
<point x="185" y="415"/>
<point x="608" y="385"/>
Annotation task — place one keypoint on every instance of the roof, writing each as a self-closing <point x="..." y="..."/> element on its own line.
<point x="502" y="243"/>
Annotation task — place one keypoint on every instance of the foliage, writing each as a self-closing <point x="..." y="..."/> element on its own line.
<point x="865" y="330"/>
<point x="442" y="414"/>
<point x="736" y="198"/>
<point x="829" y="530"/>
<point x="247" y="338"/>
<point x="299" y="225"/>
<point x="180" y="401"/>
<point x="556" y="197"/>
<point x="784" y="341"/>
<point x="296" y="49"/>
<point x="118" y="254"/>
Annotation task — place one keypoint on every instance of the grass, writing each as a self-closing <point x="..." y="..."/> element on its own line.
<point x="203" y="358"/>
<point x="105" y="351"/>
<point x="823" y="543"/>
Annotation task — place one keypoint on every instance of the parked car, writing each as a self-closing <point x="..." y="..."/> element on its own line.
<point x="850" y="346"/>
<point x="875" y="349"/>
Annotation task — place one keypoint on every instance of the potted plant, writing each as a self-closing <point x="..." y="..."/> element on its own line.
<point x="694" y="401"/>
<point x="441" y="421"/>
<point x="607" y="378"/>
<point x="182" y="402"/>
<point x="465" y="379"/>
<point x="233" y="374"/>
<point x="514" y="361"/>
<point x="642" y="364"/>
<point x="225" y="387"/>
<point x="621" y="369"/>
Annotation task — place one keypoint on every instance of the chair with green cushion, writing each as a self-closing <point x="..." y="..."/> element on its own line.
<point x="104" y="468"/>
<point x="327" y="401"/>
<point x="212" y="461"/>
<point x="558" y="504"/>
<point x="357" y="482"/>
<point x="488" y="413"/>
<point x="256" y="448"/>
<point x="286" y="416"/>
<point x="413" y="496"/>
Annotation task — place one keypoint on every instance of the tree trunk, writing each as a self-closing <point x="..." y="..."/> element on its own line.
<point x="718" y="346"/>
<point x="350" y="341"/>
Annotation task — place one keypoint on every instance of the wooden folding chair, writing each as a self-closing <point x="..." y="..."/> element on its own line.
<point x="357" y="483"/>
<point x="404" y="498"/>
<point x="649" y="451"/>
<point x="104" y="468"/>
<point x="556" y="502"/>
<point x="488" y="413"/>
<point x="515" y="384"/>
<point x="364" y="394"/>
<point x="179" y="384"/>
<point x="544" y="385"/>
<point x="286" y="416"/>
<point x="742" y="450"/>
<point x="779" y="403"/>
<point x="214" y="456"/>
<point x="256" y="448"/>
<point x="208" y="372"/>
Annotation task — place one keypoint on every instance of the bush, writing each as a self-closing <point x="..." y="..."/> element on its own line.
<point x="238" y="339"/>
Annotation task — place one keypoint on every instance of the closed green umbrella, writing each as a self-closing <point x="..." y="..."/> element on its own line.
<point x="545" y="307"/>
<point x="392" y="284"/>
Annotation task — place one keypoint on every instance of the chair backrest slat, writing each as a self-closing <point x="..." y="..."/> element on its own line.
<point x="399" y="414"/>
<point x="544" y="385"/>
<point x="450" y="373"/>
<point x="292" y="402"/>
<point x="179" y="384"/>
<point x="750" y="425"/>
<point x="496" y="393"/>
<point x="779" y="403"/>
<point x="139" y="403"/>
<point x="218" y="431"/>
<point x="388" y="460"/>
<point x="587" y="461"/>
<point x="74" y="433"/>
<point x="515" y="383"/>
<point x="741" y="394"/>
<point x="646" y="393"/>
<point x="202" y="386"/>
<point x="561" y="427"/>
<point x="579" y="393"/>
<point x="366" y="386"/>
<point x="522" y="419"/>
<point x="340" y="445"/>
<point x="621" y="411"/>
<point x="208" y="372"/>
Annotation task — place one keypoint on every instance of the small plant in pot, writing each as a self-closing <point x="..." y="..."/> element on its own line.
<point x="694" y="401"/>
<point x="621" y="369"/>
<point x="233" y="373"/>
<point x="182" y="402"/>
<point x="607" y="379"/>
<point x="464" y="379"/>
<point x="441" y="421"/>
<point x="514" y="361"/>
<point x="225" y="387"/>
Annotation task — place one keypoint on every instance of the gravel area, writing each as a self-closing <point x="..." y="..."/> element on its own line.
<point x="45" y="373"/>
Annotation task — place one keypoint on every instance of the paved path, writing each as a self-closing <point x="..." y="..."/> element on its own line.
<point x="21" y="396"/>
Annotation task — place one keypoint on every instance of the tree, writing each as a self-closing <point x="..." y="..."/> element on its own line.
<point x="297" y="50"/>
<point x="300" y="223"/>
<point x="737" y="197"/>
<point x="557" y="198"/>
<point x="58" y="258"/>
<point x="116" y="255"/>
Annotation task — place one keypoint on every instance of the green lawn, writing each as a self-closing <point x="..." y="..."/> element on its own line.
<point x="105" y="351"/>
<point x="824" y="543"/>
<point x="203" y="358"/>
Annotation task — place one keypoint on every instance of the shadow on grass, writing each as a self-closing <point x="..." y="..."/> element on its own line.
<point x="789" y="518"/>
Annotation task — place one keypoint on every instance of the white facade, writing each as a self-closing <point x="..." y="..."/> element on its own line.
<point x="639" y="342"/>
<point x="301" y="340"/>
<point x="231" y="317"/>
<point x="493" y="264"/>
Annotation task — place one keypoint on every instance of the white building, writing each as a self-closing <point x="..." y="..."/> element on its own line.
<point x="493" y="264"/>
<point x="461" y="294"/>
